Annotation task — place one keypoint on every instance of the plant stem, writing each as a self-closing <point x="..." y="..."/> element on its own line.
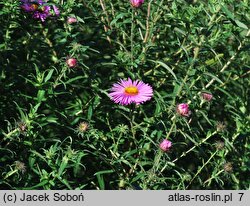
<point x="172" y="127"/>
<point x="209" y="180"/>
<point x="201" y="168"/>
<point x="132" y="119"/>
<point x="132" y="40"/>
<point x="191" y="149"/>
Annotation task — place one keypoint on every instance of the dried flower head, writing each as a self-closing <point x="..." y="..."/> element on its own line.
<point x="165" y="145"/>
<point x="82" y="128"/>
<point x="228" y="167"/>
<point x="221" y="126"/>
<point x="20" y="166"/>
<point x="22" y="126"/>
<point x="219" y="145"/>
<point x="127" y="92"/>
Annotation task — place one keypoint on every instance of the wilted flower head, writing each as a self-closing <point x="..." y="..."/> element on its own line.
<point x="20" y="166"/>
<point x="183" y="109"/>
<point x="165" y="145"/>
<point x="221" y="126"/>
<point x="127" y="91"/>
<point x="39" y="9"/>
<point x="71" y="20"/>
<point x="83" y="126"/>
<point x="71" y="62"/>
<point x="206" y="96"/>
<point x="219" y="145"/>
<point x="136" y="3"/>
<point x="228" y="167"/>
<point x="22" y="126"/>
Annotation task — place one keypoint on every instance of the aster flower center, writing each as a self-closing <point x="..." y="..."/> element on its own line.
<point x="131" y="90"/>
<point x="34" y="6"/>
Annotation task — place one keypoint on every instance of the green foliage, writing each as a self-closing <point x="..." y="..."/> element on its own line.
<point x="60" y="130"/>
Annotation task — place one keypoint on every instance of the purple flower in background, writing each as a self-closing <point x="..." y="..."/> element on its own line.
<point x="39" y="9"/>
<point x="42" y="14"/>
<point x="136" y="3"/>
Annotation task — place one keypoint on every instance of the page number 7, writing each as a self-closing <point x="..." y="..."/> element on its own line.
<point x="241" y="195"/>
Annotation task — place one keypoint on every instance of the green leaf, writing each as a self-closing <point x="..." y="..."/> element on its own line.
<point x="240" y="24"/>
<point x="100" y="181"/>
<point x="214" y="77"/>
<point x="119" y="16"/>
<point x="227" y="12"/>
<point x="104" y="172"/>
<point x="100" y="178"/>
<point x="90" y="112"/>
<point x="40" y="96"/>
<point x="166" y="67"/>
<point x="63" y="165"/>
<point x="49" y="75"/>
<point x="44" y="182"/>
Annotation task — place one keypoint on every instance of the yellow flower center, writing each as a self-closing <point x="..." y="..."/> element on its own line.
<point x="132" y="90"/>
<point x="34" y="6"/>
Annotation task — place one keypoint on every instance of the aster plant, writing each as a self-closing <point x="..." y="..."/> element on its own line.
<point x="78" y="121"/>
<point x="39" y="9"/>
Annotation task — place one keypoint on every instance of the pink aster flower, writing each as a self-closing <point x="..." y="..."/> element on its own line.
<point x="127" y="91"/>
<point x="136" y="3"/>
<point x="206" y="96"/>
<point x="183" y="109"/>
<point x="165" y="145"/>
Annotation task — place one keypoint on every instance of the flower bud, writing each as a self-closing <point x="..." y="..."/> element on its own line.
<point x="165" y="145"/>
<point x="136" y="3"/>
<point x="206" y="96"/>
<point x="71" y="62"/>
<point x="183" y="109"/>
<point x="71" y="20"/>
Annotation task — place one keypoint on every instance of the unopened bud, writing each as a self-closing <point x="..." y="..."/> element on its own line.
<point x="165" y="145"/>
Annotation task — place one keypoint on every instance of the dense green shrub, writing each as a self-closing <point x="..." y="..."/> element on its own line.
<point x="59" y="129"/>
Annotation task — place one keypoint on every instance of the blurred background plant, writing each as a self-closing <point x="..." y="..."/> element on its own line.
<point x="60" y="130"/>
